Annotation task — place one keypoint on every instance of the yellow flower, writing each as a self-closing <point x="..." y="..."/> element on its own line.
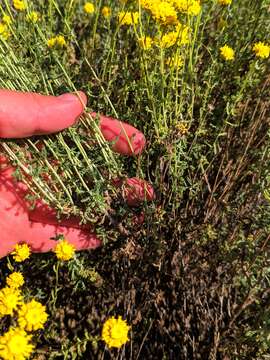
<point x="128" y="18"/>
<point x="6" y="19"/>
<point x="4" y="32"/>
<point x="183" y="34"/>
<point x="64" y="250"/>
<point x="148" y="4"/>
<point x="106" y="11"/>
<point x="115" y="332"/>
<point x="15" y="345"/>
<point x="10" y="299"/>
<point x="182" y="128"/>
<point x="19" y="5"/>
<point x="261" y="50"/>
<point x="145" y="42"/>
<point x="225" y="2"/>
<point x="175" y="62"/>
<point x="21" y="252"/>
<point x="51" y="42"/>
<point x="32" y="316"/>
<point x="89" y="8"/>
<point x="227" y="52"/>
<point x="15" y="280"/>
<point x="60" y="40"/>
<point x="179" y="37"/>
<point x="33" y="16"/>
<point x="168" y="40"/>
<point x="164" y="12"/>
<point x="190" y="7"/>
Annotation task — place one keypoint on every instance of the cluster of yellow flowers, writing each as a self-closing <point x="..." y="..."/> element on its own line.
<point x="260" y="49"/>
<point x="166" y="11"/>
<point x="89" y="8"/>
<point x="128" y="18"/>
<point x="33" y="16"/>
<point x="57" y="41"/>
<point x="4" y="27"/>
<point x="180" y="36"/>
<point x="190" y="7"/>
<point x="182" y="128"/>
<point x="145" y="42"/>
<point x="19" y="5"/>
<point x="175" y="62"/>
<point x="15" y="344"/>
<point x="5" y="33"/>
<point x="63" y="250"/>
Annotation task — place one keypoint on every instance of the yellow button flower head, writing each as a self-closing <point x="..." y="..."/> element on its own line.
<point x="4" y="32"/>
<point x="6" y="19"/>
<point x="175" y="62"/>
<point x="19" y="5"/>
<point x="164" y="12"/>
<point x="115" y="332"/>
<point x="183" y="34"/>
<point x="148" y="4"/>
<point x="60" y="40"/>
<point x="15" y="345"/>
<point x="51" y="42"/>
<point x="182" y="128"/>
<point x="21" y="252"/>
<point x="32" y="316"/>
<point x="261" y="50"/>
<point x="10" y="299"/>
<point x="145" y="42"/>
<point x="33" y="17"/>
<point x="227" y="53"/>
<point x="106" y="11"/>
<point x="190" y="7"/>
<point x="64" y="250"/>
<point x="15" y="280"/>
<point x="167" y="40"/>
<point x="89" y="8"/>
<point x="128" y="18"/>
<point x="225" y="2"/>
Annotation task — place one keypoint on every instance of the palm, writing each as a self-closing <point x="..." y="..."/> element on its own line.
<point x="16" y="226"/>
<point x="27" y="114"/>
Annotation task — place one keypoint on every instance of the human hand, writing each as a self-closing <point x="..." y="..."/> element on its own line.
<point x="27" y="114"/>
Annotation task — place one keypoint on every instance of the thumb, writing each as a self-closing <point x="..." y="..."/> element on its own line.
<point x="26" y="114"/>
<point x="62" y="112"/>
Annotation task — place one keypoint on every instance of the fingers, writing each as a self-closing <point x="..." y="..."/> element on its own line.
<point x="17" y="228"/>
<point x="125" y="139"/>
<point x="26" y="114"/>
<point x="135" y="191"/>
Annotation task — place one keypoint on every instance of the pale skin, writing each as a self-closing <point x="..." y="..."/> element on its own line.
<point x="27" y="114"/>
